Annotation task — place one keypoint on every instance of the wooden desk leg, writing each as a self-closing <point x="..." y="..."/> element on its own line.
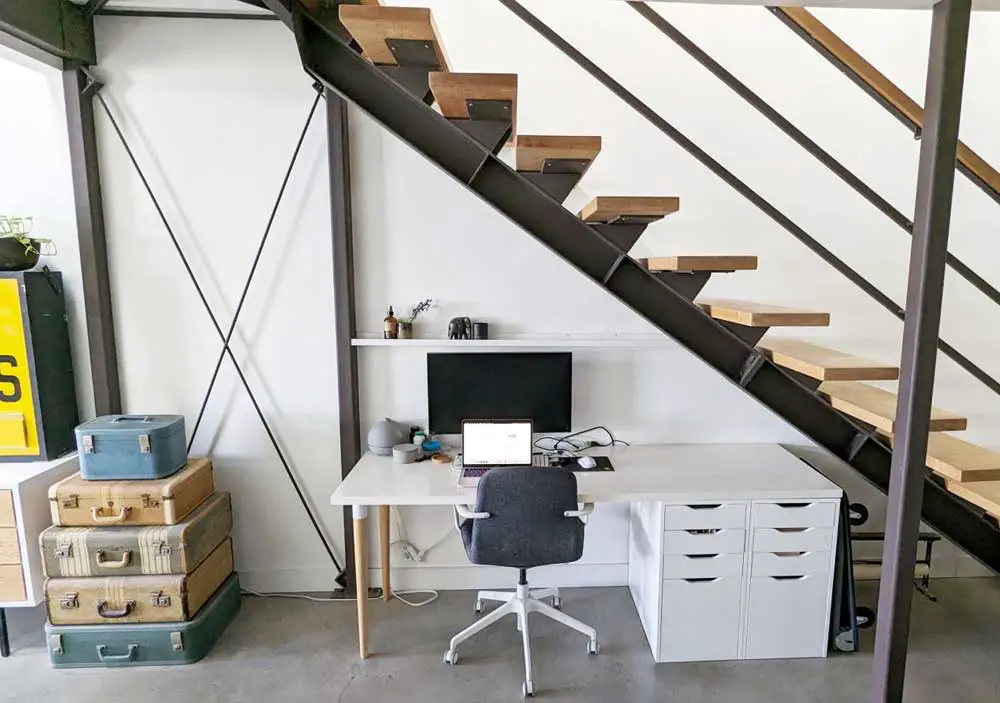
<point x="361" y="574"/>
<point x="385" y="541"/>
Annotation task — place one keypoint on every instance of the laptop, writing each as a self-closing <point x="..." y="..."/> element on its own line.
<point x="487" y="444"/>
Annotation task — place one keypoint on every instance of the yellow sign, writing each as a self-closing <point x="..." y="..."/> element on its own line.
<point x="18" y="425"/>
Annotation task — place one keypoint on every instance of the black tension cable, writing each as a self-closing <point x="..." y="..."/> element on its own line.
<point x="253" y="271"/>
<point x="228" y="351"/>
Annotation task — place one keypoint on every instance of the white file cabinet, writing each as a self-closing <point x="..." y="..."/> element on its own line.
<point x="734" y="579"/>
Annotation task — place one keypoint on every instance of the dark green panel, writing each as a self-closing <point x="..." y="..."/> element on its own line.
<point x="57" y="27"/>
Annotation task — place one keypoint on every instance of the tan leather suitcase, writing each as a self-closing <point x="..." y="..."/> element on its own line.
<point x="76" y="502"/>
<point x="138" y="599"/>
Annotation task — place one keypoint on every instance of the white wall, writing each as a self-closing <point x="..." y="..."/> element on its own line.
<point x="212" y="110"/>
<point x="35" y="182"/>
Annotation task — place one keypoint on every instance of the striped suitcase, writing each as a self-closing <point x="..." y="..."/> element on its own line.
<point x="81" y="646"/>
<point x="135" y="551"/>
<point x="138" y="599"/>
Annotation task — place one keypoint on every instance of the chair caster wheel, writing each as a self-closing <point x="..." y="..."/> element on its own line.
<point x="593" y="648"/>
<point x="480" y="607"/>
<point x="557" y="602"/>
<point x="451" y="657"/>
<point x="527" y="690"/>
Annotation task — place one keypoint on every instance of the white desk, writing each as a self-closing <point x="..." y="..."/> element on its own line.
<point x="649" y="477"/>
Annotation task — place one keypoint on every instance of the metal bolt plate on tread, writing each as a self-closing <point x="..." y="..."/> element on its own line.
<point x="414" y="53"/>
<point x="495" y="110"/>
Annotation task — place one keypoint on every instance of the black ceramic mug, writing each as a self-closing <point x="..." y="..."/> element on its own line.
<point x="480" y="330"/>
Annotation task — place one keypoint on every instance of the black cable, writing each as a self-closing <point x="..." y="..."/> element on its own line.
<point x="253" y="271"/>
<point x="575" y="447"/>
<point x="218" y="329"/>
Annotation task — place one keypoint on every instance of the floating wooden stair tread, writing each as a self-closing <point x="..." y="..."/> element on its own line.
<point x="877" y="407"/>
<point x="985" y="495"/>
<point x="452" y="90"/>
<point x="825" y="364"/>
<point x="377" y="28"/>
<point x="750" y="314"/>
<point x="699" y="262"/>
<point x="958" y="460"/>
<point x="607" y="208"/>
<point x="533" y="151"/>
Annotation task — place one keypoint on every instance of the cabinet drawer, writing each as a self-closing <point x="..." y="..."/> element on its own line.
<point x="683" y="566"/>
<point x="700" y="619"/>
<point x="790" y="564"/>
<point x="794" y="514"/>
<point x="11" y="584"/>
<point x="6" y="509"/>
<point x="787" y="617"/>
<point x="718" y="541"/>
<point x="793" y="539"/>
<point x="9" y="552"/>
<point x="715" y="516"/>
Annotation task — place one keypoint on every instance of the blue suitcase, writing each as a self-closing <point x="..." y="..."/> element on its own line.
<point x="163" y="644"/>
<point x="131" y="447"/>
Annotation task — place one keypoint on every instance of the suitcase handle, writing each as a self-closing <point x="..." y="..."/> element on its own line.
<point x="102" y="610"/>
<point x="119" y="564"/>
<point x="102" y="654"/>
<point x="95" y="515"/>
<point x="132" y="418"/>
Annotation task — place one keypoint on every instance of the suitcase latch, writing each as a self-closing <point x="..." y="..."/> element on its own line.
<point x="177" y="641"/>
<point x="144" y="444"/>
<point x="163" y="549"/>
<point x="64" y="551"/>
<point x="159" y="600"/>
<point x="70" y="601"/>
<point x="55" y="644"/>
<point x="72" y="502"/>
<point x="87" y="443"/>
<point x="149" y="501"/>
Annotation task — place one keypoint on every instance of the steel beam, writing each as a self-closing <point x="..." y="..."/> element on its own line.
<point x="344" y="303"/>
<point x="56" y="27"/>
<point x="935" y="185"/>
<point x="78" y="91"/>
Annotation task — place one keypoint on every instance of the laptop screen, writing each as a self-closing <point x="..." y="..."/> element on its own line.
<point x="496" y="443"/>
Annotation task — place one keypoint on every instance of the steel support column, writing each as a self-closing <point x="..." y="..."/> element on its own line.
<point x="935" y="185"/>
<point x="339" y="155"/>
<point x="78" y="90"/>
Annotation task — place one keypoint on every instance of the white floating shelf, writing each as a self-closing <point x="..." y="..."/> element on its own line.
<point x="565" y="342"/>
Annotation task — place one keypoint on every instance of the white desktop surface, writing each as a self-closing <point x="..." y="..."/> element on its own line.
<point x="663" y="472"/>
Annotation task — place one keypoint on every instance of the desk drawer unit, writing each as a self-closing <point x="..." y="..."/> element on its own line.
<point x="792" y="539"/>
<point x="794" y="514"/>
<point x="713" y="516"/>
<point x="788" y="616"/>
<point x="683" y="566"/>
<point x="717" y="541"/>
<point x="701" y="619"/>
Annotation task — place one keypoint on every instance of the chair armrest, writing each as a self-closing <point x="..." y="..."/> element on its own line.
<point x="462" y="513"/>
<point x="583" y="514"/>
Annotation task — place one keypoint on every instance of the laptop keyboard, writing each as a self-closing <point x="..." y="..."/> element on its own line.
<point x="537" y="460"/>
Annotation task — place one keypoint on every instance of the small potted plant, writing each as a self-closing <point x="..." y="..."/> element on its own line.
<point x="18" y="250"/>
<point x="406" y="323"/>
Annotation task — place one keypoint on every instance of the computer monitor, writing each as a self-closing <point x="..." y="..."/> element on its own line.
<point x="535" y="386"/>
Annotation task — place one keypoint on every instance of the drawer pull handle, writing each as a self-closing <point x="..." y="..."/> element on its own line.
<point x="102" y="610"/>
<point x="706" y="506"/>
<point x="788" y="578"/>
<point x="793" y="505"/>
<point x="792" y="530"/>
<point x="703" y="580"/>
<point x="786" y="555"/>
<point x="703" y="556"/>
<point x="704" y="532"/>
<point x="106" y="563"/>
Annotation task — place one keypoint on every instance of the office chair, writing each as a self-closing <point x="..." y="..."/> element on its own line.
<point x="524" y="517"/>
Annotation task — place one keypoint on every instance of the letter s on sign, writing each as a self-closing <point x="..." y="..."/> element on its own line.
<point x="15" y="383"/>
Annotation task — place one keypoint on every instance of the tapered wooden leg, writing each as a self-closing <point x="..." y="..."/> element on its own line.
<point x="385" y="541"/>
<point x="361" y="574"/>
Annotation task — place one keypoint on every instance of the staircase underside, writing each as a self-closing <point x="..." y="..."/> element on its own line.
<point x="328" y="56"/>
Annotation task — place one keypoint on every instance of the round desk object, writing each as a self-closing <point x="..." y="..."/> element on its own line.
<point x="441" y="458"/>
<point x="431" y="446"/>
<point x="419" y="437"/>
<point x="480" y="330"/>
<point x="586" y="462"/>
<point x="405" y="453"/>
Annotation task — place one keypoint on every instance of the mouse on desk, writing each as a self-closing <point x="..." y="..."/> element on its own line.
<point x="586" y="462"/>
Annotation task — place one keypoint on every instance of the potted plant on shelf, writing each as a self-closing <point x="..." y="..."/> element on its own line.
<point x="18" y="250"/>
<point x="406" y="323"/>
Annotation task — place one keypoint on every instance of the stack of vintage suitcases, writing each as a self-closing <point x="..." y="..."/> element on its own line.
<point x="139" y="561"/>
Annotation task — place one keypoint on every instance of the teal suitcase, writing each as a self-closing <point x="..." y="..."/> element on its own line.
<point x="166" y="644"/>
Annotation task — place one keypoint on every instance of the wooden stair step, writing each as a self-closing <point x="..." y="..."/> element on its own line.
<point x="751" y="314"/>
<point x="371" y="25"/>
<point x="702" y="262"/>
<point x="961" y="461"/>
<point x="609" y="208"/>
<point x="531" y="151"/>
<point x="451" y="90"/>
<point x="877" y="407"/>
<point x="985" y="495"/>
<point x="825" y="364"/>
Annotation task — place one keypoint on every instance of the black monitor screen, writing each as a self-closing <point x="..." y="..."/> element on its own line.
<point x="535" y="387"/>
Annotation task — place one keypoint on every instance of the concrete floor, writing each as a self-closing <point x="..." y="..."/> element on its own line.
<point x="292" y="651"/>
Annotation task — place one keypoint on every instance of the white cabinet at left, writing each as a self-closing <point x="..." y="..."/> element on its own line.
<point x="24" y="513"/>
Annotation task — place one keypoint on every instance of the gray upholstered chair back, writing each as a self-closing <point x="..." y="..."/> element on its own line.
<point x="526" y="527"/>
